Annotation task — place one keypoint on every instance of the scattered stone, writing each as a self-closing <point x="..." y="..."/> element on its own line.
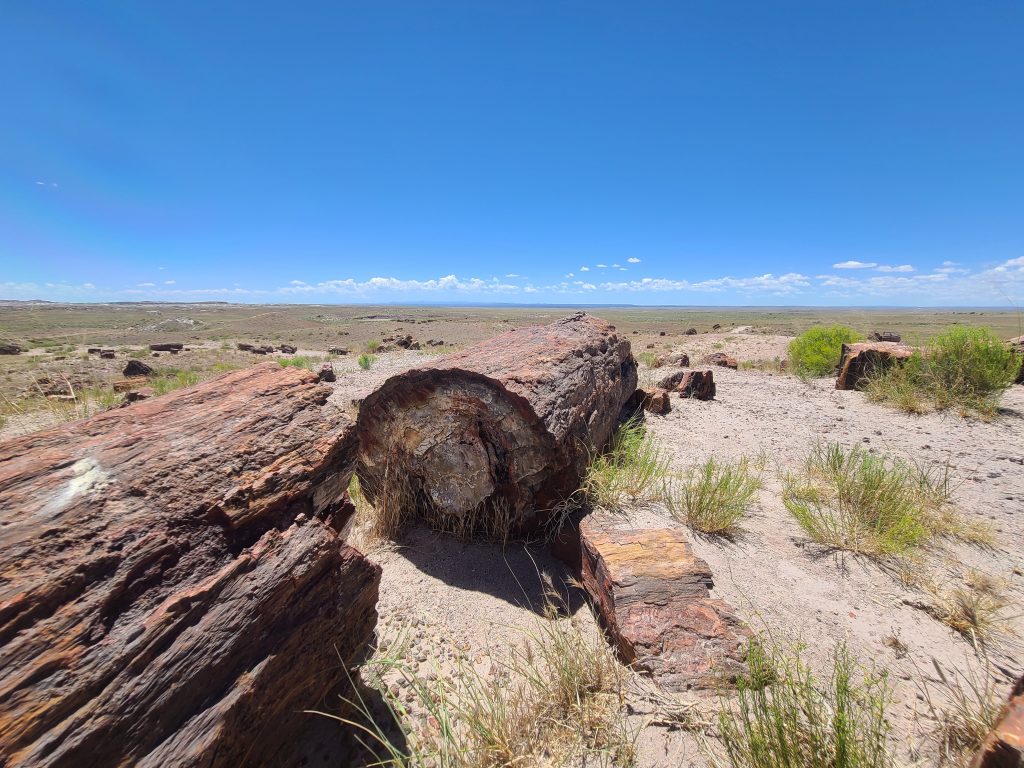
<point x="652" y="594"/>
<point x="287" y="349"/>
<point x="672" y="381"/>
<point x="168" y="347"/>
<point x="337" y="351"/>
<point x="135" y="395"/>
<point x="326" y="373"/>
<point x="691" y="331"/>
<point x="716" y="327"/>
<point x="136" y="368"/>
<point x="243" y="347"/>
<point x="661" y="333"/>
<point x="650" y="346"/>
<point x="656" y="401"/>
<point x="721" y="359"/>
<point x="858" y="362"/>
<point x="700" y="385"/>
<point x="264" y="350"/>
<point x="107" y="354"/>
<point x="125" y="385"/>
<point x="93" y="350"/>
<point x="7" y="348"/>
<point x="890" y="336"/>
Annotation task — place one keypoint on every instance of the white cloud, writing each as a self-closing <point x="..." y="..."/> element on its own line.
<point x="897" y="268"/>
<point x="584" y="269"/>
<point x="170" y="282"/>
<point x="601" y="266"/>
<point x="512" y="274"/>
<point x="623" y="269"/>
<point x="569" y="274"/>
<point x="633" y="260"/>
<point x="854" y="265"/>
<point x="952" y="270"/>
<point x="791" y="282"/>
<point x="616" y="266"/>
<point x="146" y="285"/>
<point x="448" y="283"/>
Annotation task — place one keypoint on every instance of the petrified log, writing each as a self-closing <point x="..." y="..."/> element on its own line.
<point x="859" y="362"/>
<point x="507" y="423"/>
<point x="654" y="400"/>
<point x="123" y="385"/>
<point x="722" y="359"/>
<point x="886" y="336"/>
<point x="1004" y="747"/>
<point x="652" y="595"/>
<point x="9" y="349"/>
<point x="173" y="586"/>
<point x="136" y="368"/>
<point x="700" y="385"/>
<point x="166" y="347"/>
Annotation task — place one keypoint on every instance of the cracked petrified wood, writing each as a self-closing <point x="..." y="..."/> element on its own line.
<point x="508" y="423"/>
<point x="173" y="588"/>
<point x="652" y="595"/>
<point x="1004" y="746"/>
<point x="860" y="361"/>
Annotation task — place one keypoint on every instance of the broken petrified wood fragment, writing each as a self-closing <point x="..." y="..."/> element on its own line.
<point x="652" y="595"/>
<point x="700" y="385"/>
<point x="859" y="362"/>
<point x="1004" y="747"/>
<point x="507" y="423"/>
<point x="173" y="588"/>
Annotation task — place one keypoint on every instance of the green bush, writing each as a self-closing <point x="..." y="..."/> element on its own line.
<point x="365" y="361"/>
<point x="712" y="497"/>
<point x="816" y="352"/>
<point x="963" y="368"/>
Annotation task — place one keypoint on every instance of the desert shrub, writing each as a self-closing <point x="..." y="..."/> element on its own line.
<point x="372" y="346"/>
<point x="976" y="606"/>
<point x="560" y="703"/>
<point x="967" y="369"/>
<point x="816" y="351"/>
<point x="631" y="470"/>
<point x="966" y="712"/>
<point x="870" y="504"/>
<point x="712" y="497"/>
<point x="648" y="358"/>
<point x="365" y="361"/>
<point x="799" y="720"/>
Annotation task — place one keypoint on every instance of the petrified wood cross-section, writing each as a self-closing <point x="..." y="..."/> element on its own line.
<point x="510" y="421"/>
<point x="173" y="588"/>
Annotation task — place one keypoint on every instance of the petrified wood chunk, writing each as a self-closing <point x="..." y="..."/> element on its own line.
<point x="136" y="368"/>
<point x="700" y="385"/>
<point x="508" y="422"/>
<point x="173" y="588"/>
<point x="722" y="359"/>
<point x="858" y="362"/>
<point x="886" y="336"/>
<point x="1004" y="747"/>
<point x="652" y="595"/>
<point x="166" y="347"/>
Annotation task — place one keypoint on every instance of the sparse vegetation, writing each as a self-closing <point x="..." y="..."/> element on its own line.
<point x="365" y="361"/>
<point x="308" y="362"/>
<point x="631" y="470"/>
<point x="372" y="346"/>
<point x="872" y="505"/>
<point x="798" y="720"/>
<point x="172" y="380"/>
<point x="775" y="365"/>
<point x="816" y="352"/>
<point x="557" y="700"/>
<point x="966" y="713"/>
<point x="648" y="358"/>
<point x="964" y="369"/>
<point x="712" y="497"/>
<point x="975" y="606"/>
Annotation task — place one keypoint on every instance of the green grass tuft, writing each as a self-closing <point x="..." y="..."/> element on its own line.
<point x="365" y="361"/>
<point x="872" y="505"/>
<point x="816" y="352"/>
<point x="630" y="471"/>
<point x="712" y="497"/>
<point x="799" y="721"/>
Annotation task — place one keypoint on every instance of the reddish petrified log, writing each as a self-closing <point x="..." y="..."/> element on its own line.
<point x="858" y="362"/>
<point x="652" y="595"/>
<point x="1004" y="747"/>
<point x="509" y="422"/>
<point x="700" y="385"/>
<point x="173" y="586"/>
<point x="722" y="359"/>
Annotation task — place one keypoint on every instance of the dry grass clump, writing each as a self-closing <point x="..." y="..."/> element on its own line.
<point x="963" y="369"/>
<point x="309" y="362"/>
<point x="775" y="365"/>
<point x="556" y="700"/>
<point x="712" y="497"/>
<point x="630" y="471"/>
<point x="168" y="381"/>
<point x="976" y="607"/>
<point x="789" y="718"/>
<point x="648" y="358"/>
<point x="968" y="710"/>
<point x="857" y="501"/>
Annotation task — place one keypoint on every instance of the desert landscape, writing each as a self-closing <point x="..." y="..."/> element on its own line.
<point x="611" y="541"/>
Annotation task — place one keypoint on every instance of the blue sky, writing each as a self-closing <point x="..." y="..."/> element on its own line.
<point x="568" y="152"/>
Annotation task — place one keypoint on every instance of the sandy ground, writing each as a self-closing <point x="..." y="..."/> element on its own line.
<point x="475" y="599"/>
<point x="470" y="601"/>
